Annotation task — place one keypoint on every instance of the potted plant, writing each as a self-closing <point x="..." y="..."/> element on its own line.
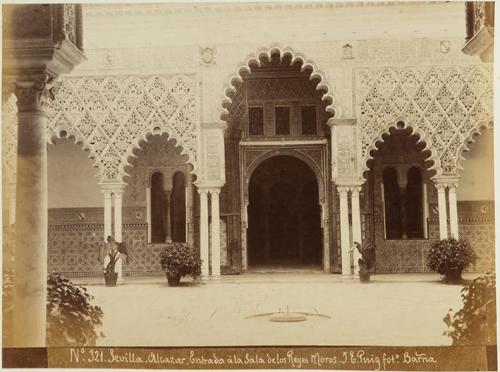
<point x="178" y="260"/>
<point x="110" y="275"/>
<point x="366" y="262"/>
<point x="449" y="257"/>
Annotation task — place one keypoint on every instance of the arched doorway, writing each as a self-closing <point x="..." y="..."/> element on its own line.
<point x="284" y="227"/>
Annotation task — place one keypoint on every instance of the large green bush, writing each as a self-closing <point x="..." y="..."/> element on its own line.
<point x="450" y="256"/>
<point x="475" y="323"/>
<point x="71" y="319"/>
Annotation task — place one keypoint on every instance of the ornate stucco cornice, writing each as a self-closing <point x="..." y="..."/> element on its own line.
<point x="176" y="8"/>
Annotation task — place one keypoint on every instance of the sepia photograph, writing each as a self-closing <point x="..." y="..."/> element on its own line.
<point x="248" y="185"/>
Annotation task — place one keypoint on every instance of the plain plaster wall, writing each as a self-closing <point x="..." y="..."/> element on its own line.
<point x="71" y="177"/>
<point x="477" y="180"/>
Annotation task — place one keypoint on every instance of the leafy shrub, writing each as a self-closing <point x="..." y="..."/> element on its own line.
<point x="450" y="255"/>
<point x="179" y="259"/>
<point x="71" y="319"/>
<point x="475" y="323"/>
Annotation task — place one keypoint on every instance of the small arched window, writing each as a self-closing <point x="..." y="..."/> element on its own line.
<point x="414" y="204"/>
<point x="157" y="208"/>
<point x="392" y="197"/>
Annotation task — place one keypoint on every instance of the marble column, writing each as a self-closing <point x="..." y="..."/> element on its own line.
<point x="356" y="225"/>
<point x="344" y="231"/>
<point x="107" y="213"/>
<point x="30" y="281"/>
<point x="443" y="223"/>
<point x="452" y="200"/>
<point x="168" y="216"/>
<point x="204" y="231"/>
<point x="118" y="197"/>
<point x="214" y="196"/>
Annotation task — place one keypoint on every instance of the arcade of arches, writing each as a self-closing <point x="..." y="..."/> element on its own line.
<point x="333" y="136"/>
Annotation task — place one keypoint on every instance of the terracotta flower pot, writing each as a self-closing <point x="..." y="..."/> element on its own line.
<point x="110" y="279"/>
<point x="453" y="276"/>
<point x="364" y="275"/>
<point x="173" y="279"/>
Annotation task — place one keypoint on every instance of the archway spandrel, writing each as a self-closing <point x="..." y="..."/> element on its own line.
<point x="111" y="114"/>
<point x="444" y="105"/>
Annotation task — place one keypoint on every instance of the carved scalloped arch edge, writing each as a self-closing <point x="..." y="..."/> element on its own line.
<point x="55" y="133"/>
<point x="255" y="59"/>
<point x="434" y="157"/>
<point x="484" y="124"/>
<point x="136" y="144"/>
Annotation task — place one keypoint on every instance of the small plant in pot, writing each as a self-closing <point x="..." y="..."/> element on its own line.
<point x="366" y="262"/>
<point x="449" y="257"/>
<point x="178" y="260"/>
<point x="110" y="275"/>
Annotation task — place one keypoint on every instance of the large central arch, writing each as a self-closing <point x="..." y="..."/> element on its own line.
<point x="255" y="59"/>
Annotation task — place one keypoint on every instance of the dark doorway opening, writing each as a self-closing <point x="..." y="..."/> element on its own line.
<point x="284" y="227"/>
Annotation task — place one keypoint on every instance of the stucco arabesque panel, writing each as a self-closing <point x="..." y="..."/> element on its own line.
<point x="445" y="105"/>
<point x="111" y="114"/>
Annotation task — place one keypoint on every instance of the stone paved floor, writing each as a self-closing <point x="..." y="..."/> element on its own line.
<point x="391" y="310"/>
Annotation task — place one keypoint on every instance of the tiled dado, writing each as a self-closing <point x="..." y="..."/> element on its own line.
<point x="476" y="224"/>
<point x="76" y="235"/>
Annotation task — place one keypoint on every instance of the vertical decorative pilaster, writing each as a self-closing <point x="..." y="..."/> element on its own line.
<point x="214" y="196"/>
<point x="30" y="281"/>
<point x="344" y="231"/>
<point x="443" y="223"/>
<point x="204" y="231"/>
<point x="452" y="200"/>
<point x="118" y="197"/>
<point x="356" y="224"/>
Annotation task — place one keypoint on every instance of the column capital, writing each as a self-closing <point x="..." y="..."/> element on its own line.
<point x="343" y="190"/>
<point x="203" y="190"/>
<point x="215" y="191"/>
<point x="33" y="95"/>
<point x="440" y="187"/>
<point x="355" y="189"/>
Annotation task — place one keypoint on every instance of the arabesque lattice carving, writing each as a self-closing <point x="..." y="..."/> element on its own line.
<point x="444" y="105"/>
<point x="111" y="114"/>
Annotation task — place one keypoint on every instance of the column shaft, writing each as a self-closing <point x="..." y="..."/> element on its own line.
<point x="214" y="193"/>
<point x="107" y="214"/>
<point x="344" y="231"/>
<point x="204" y="232"/>
<point x="30" y="281"/>
<point x="168" y="217"/>
<point x="118" y="195"/>
<point x="452" y="196"/>
<point x="443" y="223"/>
<point x="356" y="225"/>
